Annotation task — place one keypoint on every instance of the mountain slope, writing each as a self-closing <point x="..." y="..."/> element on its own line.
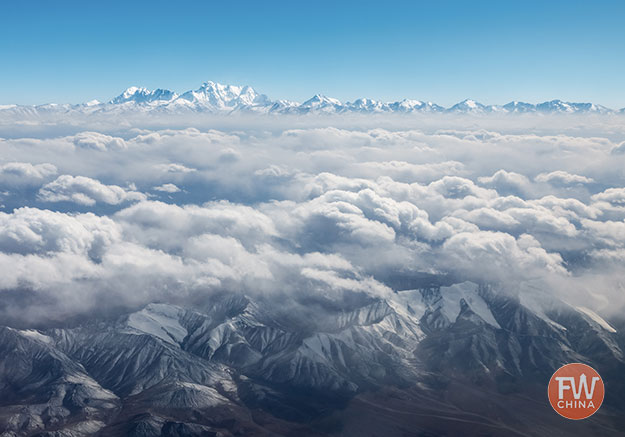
<point x="233" y="364"/>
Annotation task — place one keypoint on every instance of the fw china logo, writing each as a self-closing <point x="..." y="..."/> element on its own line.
<point x="576" y="391"/>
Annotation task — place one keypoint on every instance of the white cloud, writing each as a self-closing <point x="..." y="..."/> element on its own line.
<point x="408" y="172"/>
<point x="25" y="173"/>
<point x="85" y="191"/>
<point x="612" y="233"/>
<point x="506" y="182"/>
<point x="167" y="188"/>
<point x="454" y="187"/>
<point x="98" y="141"/>
<point x="174" y="168"/>
<point x="563" y="178"/>
<point x="31" y="230"/>
<point x="310" y="211"/>
<point x="169" y="226"/>
<point x="499" y="255"/>
<point x="615" y="196"/>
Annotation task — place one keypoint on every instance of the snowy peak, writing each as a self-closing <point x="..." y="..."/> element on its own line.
<point x="321" y="101"/>
<point x="471" y="106"/>
<point x="556" y="106"/>
<point x="550" y="107"/>
<point x="130" y="93"/>
<point x="519" y="107"/>
<point x="367" y="106"/>
<point x="409" y="105"/>
<point x="143" y="95"/>
<point x="161" y="321"/>
<point x="468" y="104"/>
<point x="560" y="106"/>
<point x="212" y="95"/>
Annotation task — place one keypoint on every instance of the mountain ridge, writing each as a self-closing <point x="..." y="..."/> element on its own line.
<point x="213" y="97"/>
<point x="234" y="365"/>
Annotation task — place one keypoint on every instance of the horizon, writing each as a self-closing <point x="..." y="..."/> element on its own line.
<point x="444" y="53"/>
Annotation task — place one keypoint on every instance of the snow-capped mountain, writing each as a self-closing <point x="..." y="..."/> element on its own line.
<point x="144" y="96"/>
<point x="471" y="106"/>
<point x="317" y="104"/>
<point x="519" y="107"/>
<point x="408" y="105"/>
<point x="560" y="106"/>
<point x="235" y="365"/>
<point x="213" y="97"/>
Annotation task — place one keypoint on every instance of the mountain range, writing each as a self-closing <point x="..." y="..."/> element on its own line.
<point x="213" y="97"/>
<point x="436" y="360"/>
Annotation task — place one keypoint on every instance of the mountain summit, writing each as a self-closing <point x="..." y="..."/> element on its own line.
<point x="212" y="96"/>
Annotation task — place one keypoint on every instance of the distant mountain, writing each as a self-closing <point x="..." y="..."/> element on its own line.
<point x="317" y="104"/>
<point x="213" y="97"/>
<point x="560" y="106"/>
<point x="408" y="105"/>
<point x="520" y="107"/>
<point x="144" y="96"/>
<point x="471" y="106"/>
<point x="463" y="359"/>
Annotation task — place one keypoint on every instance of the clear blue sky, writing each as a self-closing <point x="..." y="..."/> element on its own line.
<point x="444" y="51"/>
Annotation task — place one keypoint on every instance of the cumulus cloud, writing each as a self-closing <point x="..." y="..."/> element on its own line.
<point x="506" y="182"/>
<point x="174" y="168"/>
<point x="167" y="188"/>
<point x="614" y="196"/>
<point x="98" y="141"/>
<point x="409" y="172"/>
<point x="498" y="254"/>
<point x="85" y="191"/>
<point x="25" y="173"/>
<point x="563" y="178"/>
<point x="36" y="231"/>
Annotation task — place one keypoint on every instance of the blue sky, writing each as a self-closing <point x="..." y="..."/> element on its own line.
<point x="444" y="51"/>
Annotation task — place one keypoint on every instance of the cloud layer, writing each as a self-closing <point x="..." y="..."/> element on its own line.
<point x="128" y="215"/>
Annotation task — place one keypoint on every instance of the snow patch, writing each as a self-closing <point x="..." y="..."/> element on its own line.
<point x="596" y="318"/>
<point x="162" y="321"/>
<point x="450" y="302"/>
<point x="35" y="335"/>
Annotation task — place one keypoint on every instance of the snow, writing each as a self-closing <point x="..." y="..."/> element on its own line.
<point x="408" y="304"/>
<point x="534" y="299"/>
<point x="319" y="344"/>
<point x="36" y="335"/>
<point x="451" y="296"/>
<point x="87" y="427"/>
<point x="597" y="318"/>
<point x="319" y="100"/>
<point x="133" y="90"/>
<point x="159" y="320"/>
<point x="187" y="394"/>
